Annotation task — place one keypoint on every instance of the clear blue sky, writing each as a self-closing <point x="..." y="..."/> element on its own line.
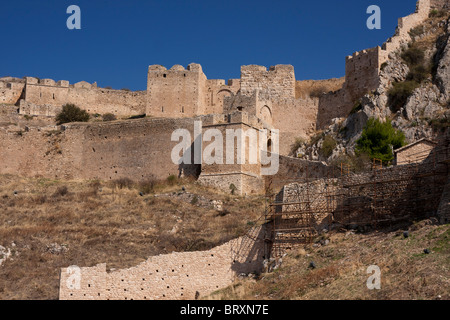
<point x="119" y="39"/>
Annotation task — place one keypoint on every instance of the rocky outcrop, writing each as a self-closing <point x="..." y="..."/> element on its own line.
<point x="422" y="116"/>
<point x="443" y="69"/>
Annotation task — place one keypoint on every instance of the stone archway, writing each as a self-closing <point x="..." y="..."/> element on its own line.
<point x="265" y="114"/>
<point x="220" y="97"/>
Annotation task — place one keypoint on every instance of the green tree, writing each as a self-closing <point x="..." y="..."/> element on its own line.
<point x="72" y="113"/>
<point x="378" y="139"/>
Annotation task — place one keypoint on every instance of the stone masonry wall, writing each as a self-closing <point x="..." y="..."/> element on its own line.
<point x="175" y="276"/>
<point x="377" y="198"/>
<point x="333" y="105"/>
<point x="136" y="149"/>
<point x="295" y="169"/>
<point x="176" y="92"/>
<point x="278" y="82"/>
<point x="11" y="90"/>
<point x="87" y="96"/>
<point x="444" y="204"/>
<point x="414" y="154"/>
<point x="361" y="72"/>
<point x="246" y="177"/>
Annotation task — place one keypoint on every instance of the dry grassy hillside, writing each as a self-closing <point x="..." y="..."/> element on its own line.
<point x="46" y="225"/>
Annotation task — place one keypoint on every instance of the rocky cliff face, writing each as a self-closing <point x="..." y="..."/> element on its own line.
<point x="424" y="114"/>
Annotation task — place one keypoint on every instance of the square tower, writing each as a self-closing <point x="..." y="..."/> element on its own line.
<point x="176" y="93"/>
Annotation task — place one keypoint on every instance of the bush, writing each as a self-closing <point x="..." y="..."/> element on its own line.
<point x="316" y="138"/>
<point x="328" y="146"/>
<point x="357" y="163"/>
<point x="296" y="145"/>
<point x="71" y="113"/>
<point x="418" y="73"/>
<point x="417" y="31"/>
<point x="400" y="92"/>
<point x="233" y="188"/>
<point x="172" y="179"/>
<point x="194" y="200"/>
<point x="378" y="139"/>
<point x="318" y="92"/>
<point x="436" y="13"/>
<point x="139" y="116"/>
<point x="123" y="183"/>
<point x="109" y="117"/>
<point x="147" y="186"/>
<point x="61" y="191"/>
<point x="413" y="56"/>
<point x="439" y="124"/>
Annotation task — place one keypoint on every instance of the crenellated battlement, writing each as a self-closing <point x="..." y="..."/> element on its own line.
<point x="42" y="95"/>
<point x="277" y="82"/>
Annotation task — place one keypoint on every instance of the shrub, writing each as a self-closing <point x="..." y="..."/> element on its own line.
<point x="233" y="188"/>
<point x="358" y="163"/>
<point x="439" y="124"/>
<point x="171" y="179"/>
<point x="316" y="138"/>
<point x="378" y="139"/>
<point x="123" y="183"/>
<point x="400" y="92"/>
<point x="328" y="146"/>
<point x="72" y="113"/>
<point x="109" y="117"/>
<point x="61" y="191"/>
<point x="139" y="116"/>
<point x="417" y="31"/>
<point x="147" y="186"/>
<point x="194" y="200"/>
<point x="436" y="13"/>
<point x="296" y="145"/>
<point x="318" y="92"/>
<point x="418" y="73"/>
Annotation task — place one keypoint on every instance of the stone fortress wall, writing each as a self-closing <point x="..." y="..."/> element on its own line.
<point x="47" y="92"/>
<point x="11" y="90"/>
<point x="179" y="92"/>
<point x="139" y="149"/>
<point x="362" y="69"/>
<point x="186" y="92"/>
